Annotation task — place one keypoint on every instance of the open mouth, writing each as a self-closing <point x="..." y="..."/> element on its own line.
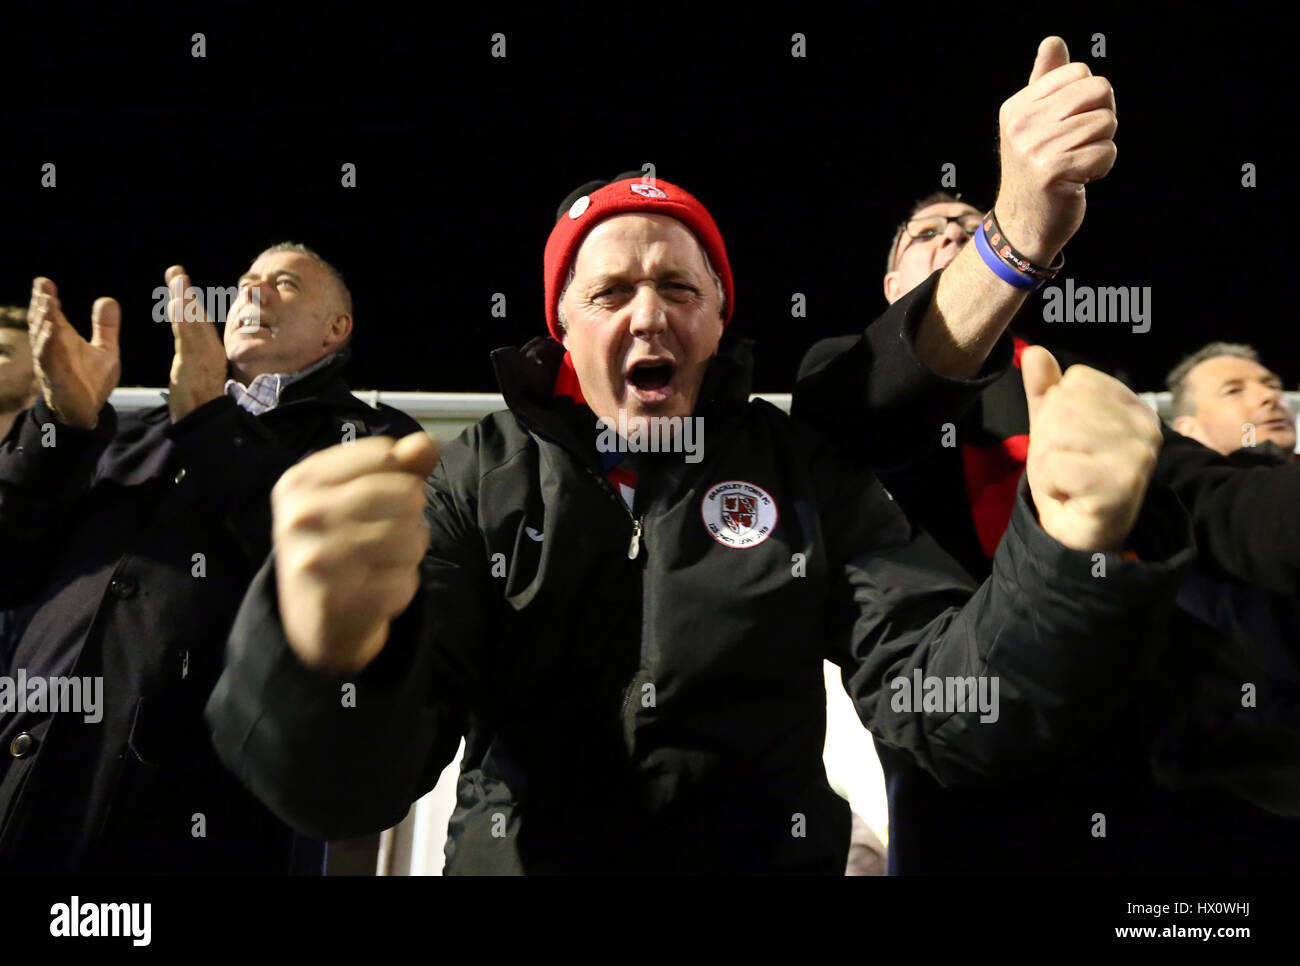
<point x="651" y="379"/>
<point x="651" y="376"/>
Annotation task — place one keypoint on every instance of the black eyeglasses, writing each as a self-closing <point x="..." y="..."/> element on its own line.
<point x="932" y="226"/>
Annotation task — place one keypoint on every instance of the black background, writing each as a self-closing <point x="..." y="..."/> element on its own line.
<point x="807" y="164"/>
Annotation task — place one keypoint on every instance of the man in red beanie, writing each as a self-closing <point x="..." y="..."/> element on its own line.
<point x="631" y="642"/>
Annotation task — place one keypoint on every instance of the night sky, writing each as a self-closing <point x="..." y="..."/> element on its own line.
<point x="807" y="164"/>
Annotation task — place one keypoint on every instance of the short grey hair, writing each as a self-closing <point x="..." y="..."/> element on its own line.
<point x="1177" y="378"/>
<point x="722" y="295"/>
<point x="336" y="277"/>
<point x="341" y="289"/>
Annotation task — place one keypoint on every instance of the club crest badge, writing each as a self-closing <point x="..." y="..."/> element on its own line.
<point x="647" y="190"/>
<point x="738" y="514"/>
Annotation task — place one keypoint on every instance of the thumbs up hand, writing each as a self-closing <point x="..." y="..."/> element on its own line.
<point x="1056" y="136"/>
<point x="1092" y="449"/>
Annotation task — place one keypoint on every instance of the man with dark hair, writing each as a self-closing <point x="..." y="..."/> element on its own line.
<point x="140" y="533"/>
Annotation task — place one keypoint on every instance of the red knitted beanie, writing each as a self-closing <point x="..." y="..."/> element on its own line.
<point x="656" y="197"/>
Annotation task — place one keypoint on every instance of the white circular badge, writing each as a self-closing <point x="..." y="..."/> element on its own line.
<point x="738" y="514"/>
<point x="578" y="207"/>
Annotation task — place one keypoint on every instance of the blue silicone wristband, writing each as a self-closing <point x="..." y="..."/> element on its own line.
<point x="1000" y="268"/>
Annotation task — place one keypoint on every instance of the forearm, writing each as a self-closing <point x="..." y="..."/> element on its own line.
<point x="970" y="311"/>
<point x="1051" y="643"/>
<point x="333" y="756"/>
<point x="876" y="394"/>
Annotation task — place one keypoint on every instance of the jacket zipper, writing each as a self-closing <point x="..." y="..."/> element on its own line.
<point x="634" y="544"/>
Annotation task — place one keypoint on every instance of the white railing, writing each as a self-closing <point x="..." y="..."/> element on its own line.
<point x="468" y="406"/>
<point x="446" y="414"/>
<point x="471" y="406"/>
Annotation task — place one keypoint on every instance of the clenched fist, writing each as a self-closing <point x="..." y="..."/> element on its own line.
<point x="76" y="377"/>
<point x="1092" y="448"/>
<point x="1056" y="136"/>
<point x="348" y="543"/>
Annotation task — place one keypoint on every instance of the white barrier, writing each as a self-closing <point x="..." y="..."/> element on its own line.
<point x="470" y="407"/>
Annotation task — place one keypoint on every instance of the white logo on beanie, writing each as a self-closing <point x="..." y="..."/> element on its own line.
<point x="578" y="207"/>
<point x="647" y="190"/>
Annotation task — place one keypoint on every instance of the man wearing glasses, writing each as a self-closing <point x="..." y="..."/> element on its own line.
<point x="1191" y="744"/>
<point x="937" y="229"/>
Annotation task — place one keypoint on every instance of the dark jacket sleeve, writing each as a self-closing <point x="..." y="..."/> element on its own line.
<point x="338" y="767"/>
<point x="1059" y="632"/>
<point x="1244" y="519"/>
<point x="872" y="392"/>
<point x="45" y="467"/>
<point x="393" y="422"/>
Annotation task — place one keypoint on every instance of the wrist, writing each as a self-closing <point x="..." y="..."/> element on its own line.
<point x="70" y="420"/>
<point x="1023" y="232"/>
<point x="1008" y="263"/>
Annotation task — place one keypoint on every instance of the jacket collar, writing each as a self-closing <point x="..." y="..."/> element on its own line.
<point x="325" y="381"/>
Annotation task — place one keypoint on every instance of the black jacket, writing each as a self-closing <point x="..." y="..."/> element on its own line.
<point x="1186" y="777"/>
<point x="128" y="549"/>
<point x="1243" y="511"/>
<point x="660" y="707"/>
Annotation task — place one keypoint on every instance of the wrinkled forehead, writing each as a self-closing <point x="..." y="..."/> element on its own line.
<point x="1215" y="372"/>
<point x="306" y="267"/>
<point x="637" y="241"/>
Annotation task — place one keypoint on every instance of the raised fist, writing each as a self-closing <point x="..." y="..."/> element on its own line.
<point x="349" y="537"/>
<point x="1092" y="448"/>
